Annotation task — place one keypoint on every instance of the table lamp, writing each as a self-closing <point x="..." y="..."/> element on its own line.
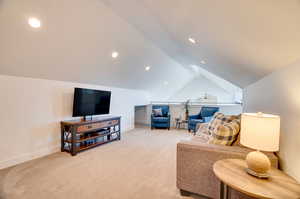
<point x="260" y="132"/>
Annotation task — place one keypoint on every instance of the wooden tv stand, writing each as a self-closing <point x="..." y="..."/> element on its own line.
<point x="77" y="136"/>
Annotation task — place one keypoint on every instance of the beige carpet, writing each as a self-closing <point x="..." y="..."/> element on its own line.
<point x="140" y="166"/>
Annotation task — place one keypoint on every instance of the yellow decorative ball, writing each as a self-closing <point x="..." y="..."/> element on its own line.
<point x="258" y="162"/>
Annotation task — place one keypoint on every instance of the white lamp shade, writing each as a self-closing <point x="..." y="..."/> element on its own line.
<point x="260" y="131"/>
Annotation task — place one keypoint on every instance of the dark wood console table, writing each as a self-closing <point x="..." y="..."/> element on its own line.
<point x="77" y="135"/>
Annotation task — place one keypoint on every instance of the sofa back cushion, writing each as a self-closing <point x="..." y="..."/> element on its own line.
<point x="226" y="133"/>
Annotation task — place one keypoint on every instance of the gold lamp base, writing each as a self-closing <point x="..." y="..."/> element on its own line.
<point x="258" y="164"/>
<point x="258" y="175"/>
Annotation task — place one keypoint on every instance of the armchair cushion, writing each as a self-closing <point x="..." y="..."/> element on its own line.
<point x="160" y="119"/>
<point x="195" y="121"/>
<point x="166" y="114"/>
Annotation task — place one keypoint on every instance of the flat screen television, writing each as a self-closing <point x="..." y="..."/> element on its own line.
<point x="90" y="102"/>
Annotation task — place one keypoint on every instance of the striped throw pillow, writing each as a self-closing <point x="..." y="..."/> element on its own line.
<point x="225" y="134"/>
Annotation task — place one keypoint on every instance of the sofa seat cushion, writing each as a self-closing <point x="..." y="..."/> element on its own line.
<point x="160" y="119"/>
<point x="225" y="134"/>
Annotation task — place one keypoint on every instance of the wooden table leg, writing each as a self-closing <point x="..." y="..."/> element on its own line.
<point x="224" y="191"/>
<point x="221" y="190"/>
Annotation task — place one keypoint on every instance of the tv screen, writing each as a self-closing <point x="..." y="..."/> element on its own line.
<point x="90" y="102"/>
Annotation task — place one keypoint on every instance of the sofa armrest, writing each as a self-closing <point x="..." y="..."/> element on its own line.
<point x="195" y="165"/>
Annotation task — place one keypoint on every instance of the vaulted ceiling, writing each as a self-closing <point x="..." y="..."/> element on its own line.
<point x="75" y="43"/>
<point x="240" y="41"/>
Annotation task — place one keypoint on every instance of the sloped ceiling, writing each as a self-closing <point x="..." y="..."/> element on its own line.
<point x="75" y="43"/>
<point x="240" y="41"/>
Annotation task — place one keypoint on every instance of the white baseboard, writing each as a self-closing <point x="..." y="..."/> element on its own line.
<point x="28" y="156"/>
<point x="37" y="154"/>
<point x="127" y="129"/>
<point x="142" y="124"/>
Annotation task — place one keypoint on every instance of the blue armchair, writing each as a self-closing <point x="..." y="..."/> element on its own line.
<point x="204" y="116"/>
<point x="162" y="121"/>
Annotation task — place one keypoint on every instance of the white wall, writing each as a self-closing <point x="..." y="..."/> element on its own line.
<point x="141" y="114"/>
<point x="201" y="85"/>
<point x="31" y="111"/>
<point x="279" y="93"/>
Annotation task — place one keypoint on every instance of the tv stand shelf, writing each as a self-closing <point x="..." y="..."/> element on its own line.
<point x="77" y="136"/>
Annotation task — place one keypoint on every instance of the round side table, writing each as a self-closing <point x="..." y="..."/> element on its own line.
<point x="231" y="173"/>
<point x="179" y="122"/>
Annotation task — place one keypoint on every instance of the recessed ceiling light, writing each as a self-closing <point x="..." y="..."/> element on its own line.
<point x="192" y="40"/>
<point x="114" y="54"/>
<point x="166" y="83"/>
<point x="34" y="22"/>
<point x="202" y="62"/>
<point x="147" y="68"/>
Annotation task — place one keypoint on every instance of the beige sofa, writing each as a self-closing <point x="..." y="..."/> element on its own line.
<point x="195" y="159"/>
